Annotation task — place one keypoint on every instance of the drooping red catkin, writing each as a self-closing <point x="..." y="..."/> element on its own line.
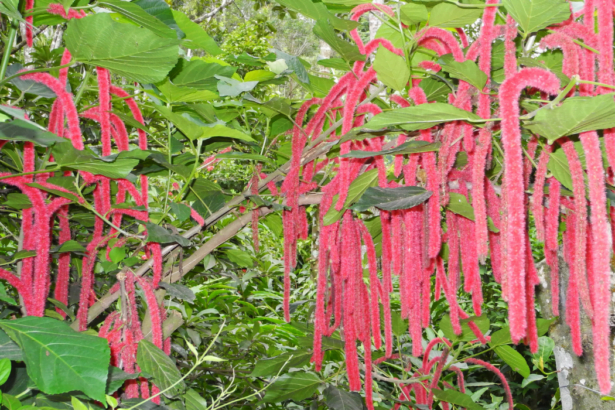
<point x="104" y="98"/>
<point x="450" y="294"/>
<point x="551" y="241"/>
<point x="29" y="23"/>
<point x="498" y="373"/>
<point x="68" y="105"/>
<point x="436" y="376"/>
<point x="513" y="180"/>
<point x="385" y="218"/>
<point x="539" y="188"/>
<point x="374" y="283"/>
<point x="510" y="49"/>
<point x="320" y="320"/>
<point x="62" y="280"/>
<point x="572" y="295"/>
<point x="605" y="46"/>
<point x="356" y="14"/>
<point x="578" y="185"/>
<point x="154" y="309"/>
<point x="531" y="280"/>
<point x="443" y="36"/>
<point x="600" y="256"/>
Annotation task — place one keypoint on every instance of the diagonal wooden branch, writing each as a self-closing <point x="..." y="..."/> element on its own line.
<point x="211" y="14"/>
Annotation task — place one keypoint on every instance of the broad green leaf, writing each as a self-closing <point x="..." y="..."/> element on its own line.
<point x="271" y="367"/>
<point x="117" y="377"/>
<point x="392" y="69"/>
<point x="17" y="201"/>
<point x="181" y="211"/>
<point x="196" y="36"/>
<point x="223" y="131"/>
<point x="356" y="189"/>
<point x="161" y="367"/>
<point x="293" y="63"/>
<point x="10" y="9"/>
<point x="534" y="15"/>
<point x="158" y="234"/>
<point x="458" y="204"/>
<point x="541" y="62"/>
<point x="296" y="386"/>
<point x="514" y="359"/>
<point x="466" y="71"/>
<point x="399" y="325"/>
<point x="200" y="75"/>
<point x="136" y="13"/>
<point x="502" y="336"/>
<point x="421" y="117"/>
<point x="239" y="257"/>
<point x="5" y="370"/>
<point x="318" y="11"/>
<point x="575" y="115"/>
<point x="125" y="49"/>
<point x="338" y="399"/>
<point x="70" y="246"/>
<point x="59" y="359"/>
<point x="23" y="130"/>
<point x="413" y="13"/>
<point x="57" y="192"/>
<point x="531" y="378"/>
<point x="187" y="127"/>
<point x="455" y="397"/>
<point x="67" y="157"/>
<point x="392" y="199"/>
<point x="259" y="75"/>
<point x="161" y="11"/>
<point x="337" y="63"/>
<point x="448" y="15"/>
<point x="10" y="402"/>
<point x="229" y="87"/>
<point x="346" y="50"/>
<point x="179" y="291"/>
<point x="319" y="86"/>
<point x="545" y="350"/>
<point x="559" y="167"/>
<point x="194" y="401"/>
<point x="435" y="90"/>
<point x="466" y="333"/>
<point x="410" y="147"/>
<point x="9" y="349"/>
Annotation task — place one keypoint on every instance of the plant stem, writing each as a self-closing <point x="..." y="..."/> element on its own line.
<point x="83" y="86"/>
<point x="8" y="49"/>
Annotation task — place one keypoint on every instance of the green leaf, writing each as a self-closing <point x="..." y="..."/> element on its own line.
<point x="559" y="167"/>
<point x="69" y="246"/>
<point x="392" y="69"/>
<point x="67" y="157"/>
<point x="413" y="13"/>
<point x="458" y="204"/>
<point x="421" y="117"/>
<point x="181" y="211"/>
<point x="57" y="192"/>
<point x="9" y="349"/>
<point x="338" y="399"/>
<point x="117" y="377"/>
<point x="229" y="87"/>
<point x="534" y="15"/>
<point x="514" y="359"/>
<point x="259" y="75"/>
<point x="296" y="386"/>
<point x="194" y="401"/>
<point x="410" y="147"/>
<point x="318" y="11"/>
<point x="346" y="50"/>
<point x="466" y="71"/>
<point x="196" y="37"/>
<point x="17" y="201"/>
<point x="356" y="189"/>
<point x="336" y="63"/>
<point x="135" y="13"/>
<point x="455" y="397"/>
<point x="125" y="49"/>
<point x="179" y="291"/>
<point x="200" y="75"/>
<point x="59" y="359"/>
<point x="271" y="367"/>
<point x="5" y="370"/>
<point x="448" y="15"/>
<point x="545" y="350"/>
<point x="223" y="131"/>
<point x="466" y="333"/>
<point x="9" y="9"/>
<point x="158" y="234"/>
<point x="239" y="257"/>
<point x="531" y="378"/>
<point x="161" y="367"/>
<point x="161" y="11"/>
<point x="23" y="130"/>
<point x="399" y="326"/>
<point x="10" y="402"/>
<point x="392" y="199"/>
<point x="293" y="63"/>
<point x="575" y="115"/>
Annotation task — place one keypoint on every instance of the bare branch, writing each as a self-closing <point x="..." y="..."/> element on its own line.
<point x="211" y="14"/>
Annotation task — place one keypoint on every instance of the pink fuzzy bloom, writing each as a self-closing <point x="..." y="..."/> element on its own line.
<point x="430" y="66"/>
<point x="510" y="49"/>
<point x="67" y="103"/>
<point x="539" y="188"/>
<point x="105" y="107"/>
<point x="498" y="373"/>
<point x="197" y="217"/>
<point x="29" y="23"/>
<point x="605" y="45"/>
<point x="462" y="35"/>
<point x="570" y="50"/>
<point x="62" y="280"/>
<point x="572" y="295"/>
<point x="154" y="309"/>
<point x="66" y="57"/>
<point x="513" y="179"/>
<point x="58" y="9"/>
<point x="446" y="38"/>
<point x="135" y="110"/>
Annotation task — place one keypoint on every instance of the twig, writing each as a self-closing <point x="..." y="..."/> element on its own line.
<point x="211" y="14"/>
